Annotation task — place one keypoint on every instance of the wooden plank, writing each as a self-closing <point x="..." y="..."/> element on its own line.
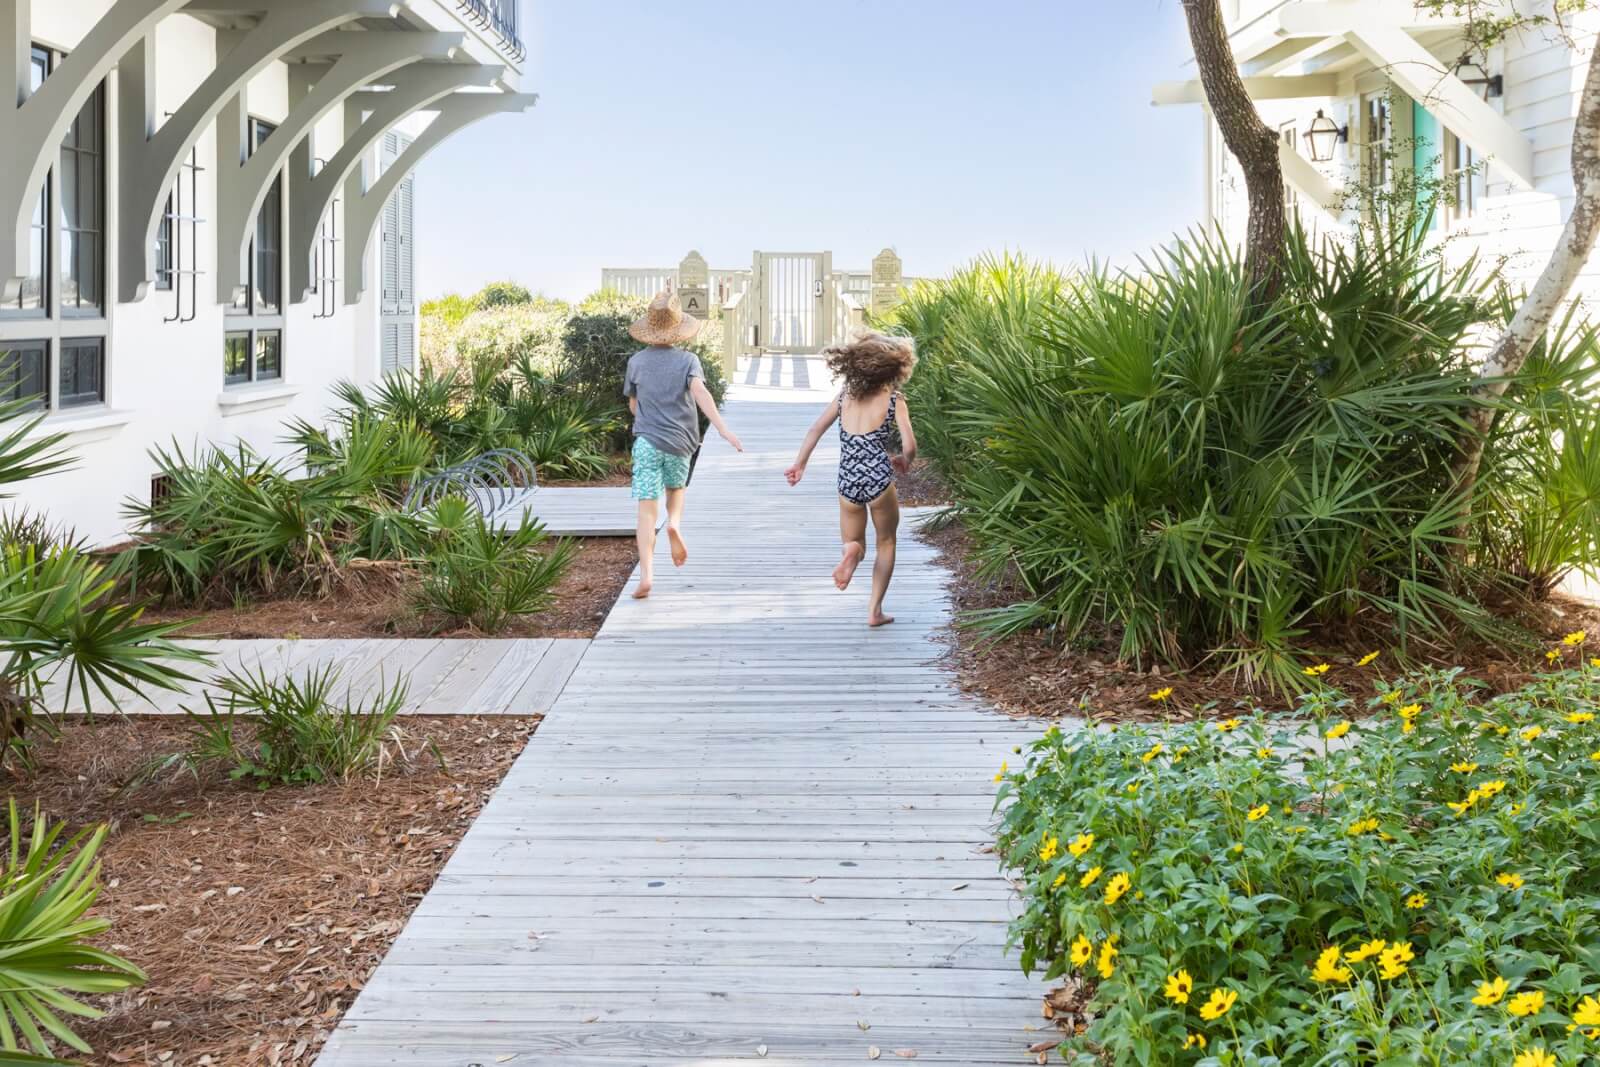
<point x="494" y="693"/>
<point x="546" y="683"/>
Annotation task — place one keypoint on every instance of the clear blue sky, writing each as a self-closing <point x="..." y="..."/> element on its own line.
<point x="943" y="128"/>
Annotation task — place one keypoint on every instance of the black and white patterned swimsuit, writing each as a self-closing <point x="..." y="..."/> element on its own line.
<point x="865" y="472"/>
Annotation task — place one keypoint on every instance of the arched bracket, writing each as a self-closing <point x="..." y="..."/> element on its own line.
<point x="363" y="210"/>
<point x="31" y="130"/>
<point x="414" y="89"/>
<point x="149" y="163"/>
<point x="240" y="190"/>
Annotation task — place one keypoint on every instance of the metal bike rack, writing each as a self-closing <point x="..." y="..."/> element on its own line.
<point x="495" y="477"/>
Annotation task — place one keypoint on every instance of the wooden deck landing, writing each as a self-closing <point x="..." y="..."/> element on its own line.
<point x="749" y="830"/>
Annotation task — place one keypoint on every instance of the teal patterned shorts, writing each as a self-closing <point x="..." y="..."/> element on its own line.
<point x="654" y="470"/>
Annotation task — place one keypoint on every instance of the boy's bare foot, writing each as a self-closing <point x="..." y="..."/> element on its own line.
<point x="878" y="618"/>
<point x="854" y="551"/>
<point x="680" y="551"/>
<point x="642" y="592"/>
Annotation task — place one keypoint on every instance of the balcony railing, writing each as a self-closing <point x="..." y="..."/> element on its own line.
<point x="498" y="17"/>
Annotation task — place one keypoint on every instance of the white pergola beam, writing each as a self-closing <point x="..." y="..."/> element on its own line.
<point x="416" y="87"/>
<point x="1335" y="17"/>
<point x="1426" y="80"/>
<point x="1309" y="181"/>
<point x="242" y="188"/>
<point x="1295" y="52"/>
<point x="1283" y="88"/>
<point x="364" y="209"/>
<point x="31" y="132"/>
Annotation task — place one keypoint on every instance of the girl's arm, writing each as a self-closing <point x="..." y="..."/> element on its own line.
<point x="813" y="435"/>
<point x="908" y="437"/>
<point x="708" y="404"/>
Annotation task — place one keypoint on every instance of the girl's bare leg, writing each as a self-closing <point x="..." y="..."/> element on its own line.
<point x="675" y="502"/>
<point x="853" y="532"/>
<point x="885" y="521"/>
<point x="645" y="535"/>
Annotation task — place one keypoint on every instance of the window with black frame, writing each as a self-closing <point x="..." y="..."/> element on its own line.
<point x="252" y="346"/>
<point x="53" y="335"/>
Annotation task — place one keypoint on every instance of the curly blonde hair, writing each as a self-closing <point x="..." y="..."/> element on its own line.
<point x="869" y="361"/>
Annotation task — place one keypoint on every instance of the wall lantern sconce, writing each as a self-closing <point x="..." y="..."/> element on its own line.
<point x="1474" y="77"/>
<point x="1322" y="135"/>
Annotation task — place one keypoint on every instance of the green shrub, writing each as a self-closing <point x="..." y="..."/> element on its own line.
<point x="294" y="731"/>
<point x="1145" y="453"/>
<point x="1453" y="836"/>
<point x="500" y="294"/>
<point x="485" y="576"/>
<point x="46" y="891"/>
<point x="449" y="309"/>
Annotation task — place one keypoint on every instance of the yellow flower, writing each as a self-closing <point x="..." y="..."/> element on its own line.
<point x="1120" y="883"/>
<point x="1516" y="809"/>
<point x="1001" y="776"/>
<point x="1337" y="731"/>
<point x="1060" y="880"/>
<point x="1082" y="950"/>
<point x="1179" y="986"/>
<point x="1328" y="969"/>
<point x="1264" y="752"/>
<point x="1574" y="638"/>
<point x="1133" y="787"/>
<point x="1491" y="788"/>
<point x="1534" y="1057"/>
<point x="1361" y="826"/>
<point x="1107" y="963"/>
<point x="1588" y="1013"/>
<point x="1417" y="901"/>
<point x="1161" y="694"/>
<point x="1490" y="992"/>
<point x="1463" y="768"/>
<point x="1529" y="1003"/>
<point x="1392" y="962"/>
<point x="1195" y="1041"/>
<point x="1089" y="876"/>
<point x="1392" y="697"/>
<point x="1509" y="879"/>
<point x="1552" y="655"/>
<point x="1216" y="1007"/>
<point x="1258" y="812"/>
<point x="1594" y="661"/>
<point x="1595" y="756"/>
<point x="1049" y="848"/>
<point x="1155" y="750"/>
<point x="1229" y="725"/>
<point x="1528" y="733"/>
<point x="1368" y="658"/>
<point x="1367" y="950"/>
<point x="1580" y="716"/>
<point x="1315" y="672"/>
<point x="1460" y="806"/>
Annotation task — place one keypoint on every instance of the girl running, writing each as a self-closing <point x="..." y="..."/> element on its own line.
<point x="871" y="367"/>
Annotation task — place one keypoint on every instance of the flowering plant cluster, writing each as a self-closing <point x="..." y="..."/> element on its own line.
<point x="1411" y="878"/>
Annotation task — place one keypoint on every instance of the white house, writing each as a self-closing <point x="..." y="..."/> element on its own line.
<point x="206" y="211"/>
<point x="1380" y="87"/>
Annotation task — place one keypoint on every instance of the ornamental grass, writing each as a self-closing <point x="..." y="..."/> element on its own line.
<point x="1410" y="878"/>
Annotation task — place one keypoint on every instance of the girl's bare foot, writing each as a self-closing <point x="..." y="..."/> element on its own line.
<point x="680" y="551"/>
<point x="878" y="618"/>
<point x="642" y="592"/>
<point x="853" y="553"/>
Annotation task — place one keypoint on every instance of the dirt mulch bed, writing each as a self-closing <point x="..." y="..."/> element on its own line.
<point x="376" y="602"/>
<point x="921" y="487"/>
<point x="1031" y="675"/>
<point x="258" y="915"/>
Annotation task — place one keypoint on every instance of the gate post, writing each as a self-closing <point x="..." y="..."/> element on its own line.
<point x="694" y="285"/>
<point x="827" y="306"/>
<point x="887" y="279"/>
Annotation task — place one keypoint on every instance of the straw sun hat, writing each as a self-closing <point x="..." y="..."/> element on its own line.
<point x="665" y="323"/>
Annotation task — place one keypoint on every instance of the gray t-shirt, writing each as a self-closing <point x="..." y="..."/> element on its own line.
<point x="659" y="378"/>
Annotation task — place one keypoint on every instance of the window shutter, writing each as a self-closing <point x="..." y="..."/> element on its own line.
<point x="405" y="265"/>
<point x="390" y="358"/>
<point x="406" y="345"/>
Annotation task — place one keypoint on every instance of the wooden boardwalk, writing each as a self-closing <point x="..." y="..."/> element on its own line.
<point x="750" y="829"/>
<point x="446" y="676"/>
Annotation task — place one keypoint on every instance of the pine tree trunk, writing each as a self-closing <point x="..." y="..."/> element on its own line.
<point x="1538" y="310"/>
<point x="1253" y="143"/>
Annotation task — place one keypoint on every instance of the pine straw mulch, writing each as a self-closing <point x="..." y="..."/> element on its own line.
<point x="1030" y="675"/>
<point x="374" y="600"/>
<point x="258" y="915"/>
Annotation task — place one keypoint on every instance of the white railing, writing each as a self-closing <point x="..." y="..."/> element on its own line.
<point x="849" y="313"/>
<point x="738" y="329"/>
<point x="638" y="281"/>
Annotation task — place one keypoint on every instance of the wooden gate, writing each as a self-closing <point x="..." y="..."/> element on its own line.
<point x="792" y="288"/>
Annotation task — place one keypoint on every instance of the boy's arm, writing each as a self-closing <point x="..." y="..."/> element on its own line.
<point x="708" y="404"/>
<point x="813" y="435"/>
<point x="633" y="406"/>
